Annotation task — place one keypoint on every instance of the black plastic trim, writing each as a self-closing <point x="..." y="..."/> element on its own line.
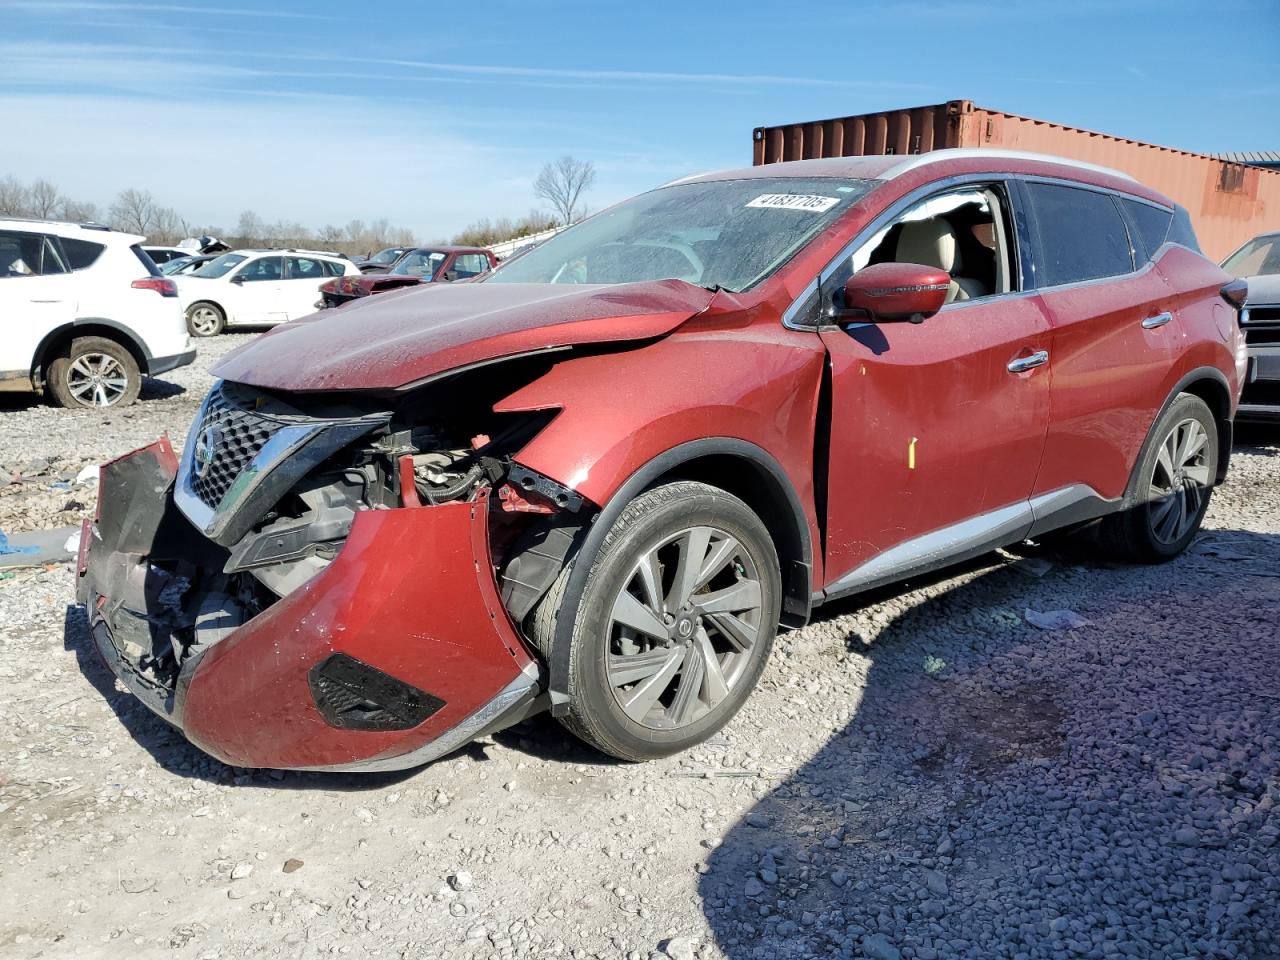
<point x="165" y="364"/>
<point x="389" y="703"/>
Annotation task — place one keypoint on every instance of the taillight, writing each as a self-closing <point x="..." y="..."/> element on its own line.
<point x="1235" y="293"/>
<point x="161" y="285"/>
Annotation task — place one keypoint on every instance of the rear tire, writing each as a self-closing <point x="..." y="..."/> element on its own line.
<point x="1174" y="481"/>
<point x="205" y="319"/>
<point x="666" y="650"/>
<point x="96" y="373"/>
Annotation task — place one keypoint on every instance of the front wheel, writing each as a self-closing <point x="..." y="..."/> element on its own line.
<point x="1175" y="478"/>
<point x="205" y="320"/>
<point x="675" y="623"/>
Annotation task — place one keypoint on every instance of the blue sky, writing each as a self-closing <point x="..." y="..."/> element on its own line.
<point x="435" y="114"/>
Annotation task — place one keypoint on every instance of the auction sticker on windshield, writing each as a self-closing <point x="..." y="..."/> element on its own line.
<point x="795" y="201"/>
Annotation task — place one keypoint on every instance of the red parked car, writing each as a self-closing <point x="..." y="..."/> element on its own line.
<point x="423" y="265"/>
<point x="597" y="480"/>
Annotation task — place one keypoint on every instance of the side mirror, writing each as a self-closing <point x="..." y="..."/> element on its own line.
<point x="238" y="278"/>
<point x="449" y="275"/>
<point x="894" y="292"/>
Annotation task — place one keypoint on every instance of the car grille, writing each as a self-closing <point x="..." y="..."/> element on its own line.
<point x="230" y="436"/>
<point x="1262" y="326"/>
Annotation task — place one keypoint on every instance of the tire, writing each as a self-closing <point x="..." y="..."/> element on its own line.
<point x="205" y="319"/>
<point x="634" y="694"/>
<point x="94" y="372"/>
<point x="1173" y="483"/>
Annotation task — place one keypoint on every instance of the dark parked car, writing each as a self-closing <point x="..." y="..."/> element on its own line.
<point x="1258" y="262"/>
<point x="596" y="480"/>
<point x="421" y="265"/>
<point x="383" y="260"/>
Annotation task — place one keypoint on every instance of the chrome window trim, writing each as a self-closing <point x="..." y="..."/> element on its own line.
<point x="802" y="298"/>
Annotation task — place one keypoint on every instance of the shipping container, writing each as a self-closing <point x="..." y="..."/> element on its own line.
<point x="1228" y="202"/>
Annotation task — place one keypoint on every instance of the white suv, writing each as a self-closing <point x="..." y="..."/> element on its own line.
<point x="260" y="287"/>
<point x="84" y="313"/>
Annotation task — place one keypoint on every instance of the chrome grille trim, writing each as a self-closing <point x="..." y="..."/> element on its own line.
<point x="258" y="469"/>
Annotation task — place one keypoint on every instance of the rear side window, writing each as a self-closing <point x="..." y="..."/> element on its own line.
<point x="1150" y="223"/>
<point x="1082" y="236"/>
<point x="1181" y="231"/>
<point x="332" y="268"/>
<point x="148" y="264"/>
<point x="81" y="253"/>
<point x="306" y="268"/>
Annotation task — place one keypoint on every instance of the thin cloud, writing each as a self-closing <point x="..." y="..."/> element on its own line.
<point x="45" y="6"/>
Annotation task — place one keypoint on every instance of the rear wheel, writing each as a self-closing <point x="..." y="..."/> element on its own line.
<point x="675" y="623"/>
<point x="1174" y="483"/>
<point x="94" y="372"/>
<point x="205" y="320"/>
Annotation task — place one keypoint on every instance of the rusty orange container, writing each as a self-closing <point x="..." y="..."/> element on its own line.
<point x="1228" y="202"/>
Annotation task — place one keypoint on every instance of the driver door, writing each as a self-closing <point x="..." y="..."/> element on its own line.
<point x="937" y="429"/>
<point x="261" y="294"/>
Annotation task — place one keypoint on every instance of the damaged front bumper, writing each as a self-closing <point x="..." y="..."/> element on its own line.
<point x="397" y="652"/>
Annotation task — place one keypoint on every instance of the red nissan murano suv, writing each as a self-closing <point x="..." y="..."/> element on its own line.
<point x="597" y="480"/>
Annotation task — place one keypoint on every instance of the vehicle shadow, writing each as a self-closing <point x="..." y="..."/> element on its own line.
<point x="151" y="389"/>
<point x="176" y="755"/>
<point x="987" y="789"/>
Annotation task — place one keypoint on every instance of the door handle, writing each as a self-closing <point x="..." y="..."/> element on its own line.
<point x="1023" y="364"/>
<point x="1159" y="320"/>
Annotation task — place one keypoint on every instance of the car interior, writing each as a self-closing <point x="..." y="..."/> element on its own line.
<point x="962" y="232"/>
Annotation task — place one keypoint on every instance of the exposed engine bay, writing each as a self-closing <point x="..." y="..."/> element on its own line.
<point x="440" y="445"/>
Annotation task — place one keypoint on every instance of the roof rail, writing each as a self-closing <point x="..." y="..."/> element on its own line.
<point x="961" y="153"/>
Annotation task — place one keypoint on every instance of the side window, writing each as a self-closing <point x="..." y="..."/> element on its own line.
<point x="966" y="232"/>
<point x="1150" y="223"/>
<point x="332" y="268"/>
<point x="1082" y="236"/>
<point x="81" y="253"/>
<point x="470" y="264"/>
<point x="305" y="268"/>
<point x="29" y="255"/>
<point x="1181" y="231"/>
<point x="264" y="268"/>
<point x="19" y="254"/>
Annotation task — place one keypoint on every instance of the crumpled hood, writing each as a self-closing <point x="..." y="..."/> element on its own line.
<point x="362" y="284"/>
<point x="402" y="337"/>
<point x="1264" y="288"/>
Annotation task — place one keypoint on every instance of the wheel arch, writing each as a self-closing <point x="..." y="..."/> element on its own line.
<point x="226" y="315"/>
<point x="736" y="466"/>
<point x="60" y="337"/>
<point x="1211" y="385"/>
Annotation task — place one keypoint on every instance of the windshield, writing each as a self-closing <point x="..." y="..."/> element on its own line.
<point x="1259" y="256"/>
<point x="387" y="256"/>
<point x="727" y="233"/>
<point x="173" y="266"/>
<point x="221" y="266"/>
<point x="420" y="263"/>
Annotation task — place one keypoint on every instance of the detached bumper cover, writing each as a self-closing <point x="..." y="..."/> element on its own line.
<point x="411" y="596"/>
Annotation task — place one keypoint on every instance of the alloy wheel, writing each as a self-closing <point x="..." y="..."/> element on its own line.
<point x="682" y="627"/>
<point x="97" y="379"/>
<point x="1179" y="481"/>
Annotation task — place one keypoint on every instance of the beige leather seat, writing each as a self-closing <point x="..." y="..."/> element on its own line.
<point x="933" y="243"/>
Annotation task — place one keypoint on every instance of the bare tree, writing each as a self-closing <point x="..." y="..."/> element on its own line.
<point x="134" y="212"/>
<point x="562" y="184"/>
<point x="15" y="200"/>
<point x="78" y="211"/>
<point x="45" y="199"/>
<point x="249" y="226"/>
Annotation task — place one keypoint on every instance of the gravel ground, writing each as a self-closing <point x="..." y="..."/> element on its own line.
<point x="921" y="774"/>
